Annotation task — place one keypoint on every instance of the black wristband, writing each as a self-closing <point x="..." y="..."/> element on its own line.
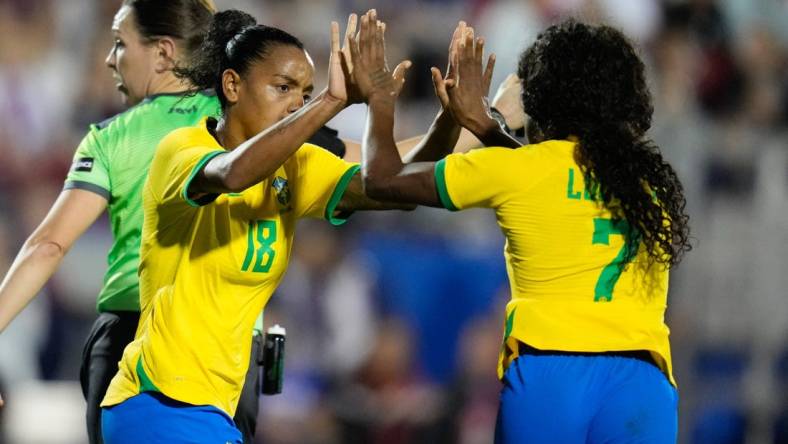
<point x="500" y="119"/>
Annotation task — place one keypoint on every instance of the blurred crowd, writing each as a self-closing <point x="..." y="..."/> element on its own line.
<point x="394" y="321"/>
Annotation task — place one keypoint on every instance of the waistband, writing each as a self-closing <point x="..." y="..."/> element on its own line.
<point x="641" y="355"/>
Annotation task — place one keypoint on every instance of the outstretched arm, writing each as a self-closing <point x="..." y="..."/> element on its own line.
<point x="384" y="175"/>
<point x="444" y="134"/>
<point x="355" y="199"/>
<point x="38" y="259"/>
<point x="258" y="157"/>
<point x="506" y="100"/>
<point x="468" y="93"/>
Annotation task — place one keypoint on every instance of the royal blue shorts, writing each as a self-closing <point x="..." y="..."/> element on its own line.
<point x="565" y="398"/>
<point x="151" y="417"/>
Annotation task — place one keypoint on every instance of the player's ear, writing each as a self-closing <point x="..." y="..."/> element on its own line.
<point x="165" y="54"/>
<point x="231" y="85"/>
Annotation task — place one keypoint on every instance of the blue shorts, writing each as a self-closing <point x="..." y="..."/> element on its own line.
<point x="151" y="417"/>
<point x="585" y="399"/>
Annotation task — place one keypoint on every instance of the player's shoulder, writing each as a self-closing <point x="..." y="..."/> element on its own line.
<point x="547" y="150"/>
<point x="120" y="122"/>
<point x="309" y="152"/>
<point x="552" y="146"/>
<point x="488" y="154"/>
<point x="163" y="104"/>
<point x="310" y="149"/>
<point x="185" y="137"/>
<point x="118" y="128"/>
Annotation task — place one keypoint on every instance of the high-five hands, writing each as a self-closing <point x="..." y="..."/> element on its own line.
<point x="463" y="91"/>
<point x="370" y="72"/>
<point x="443" y="83"/>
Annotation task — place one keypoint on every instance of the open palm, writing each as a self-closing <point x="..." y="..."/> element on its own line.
<point x="337" y="81"/>
<point x="371" y="74"/>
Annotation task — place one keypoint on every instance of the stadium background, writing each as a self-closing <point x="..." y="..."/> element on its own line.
<point x="394" y="320"/>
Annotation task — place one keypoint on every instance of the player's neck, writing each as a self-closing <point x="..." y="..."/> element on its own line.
<point x="229" y="133"/>
<point x="167" y="83"/>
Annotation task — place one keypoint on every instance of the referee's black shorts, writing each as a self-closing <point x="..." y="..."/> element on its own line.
<point x="108" y="337"/>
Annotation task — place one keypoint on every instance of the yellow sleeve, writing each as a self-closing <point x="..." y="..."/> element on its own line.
<point x="321" y="179"/>
<point x="179" y="157"/>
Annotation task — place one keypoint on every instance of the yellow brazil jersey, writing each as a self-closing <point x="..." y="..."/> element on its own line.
<point x="208" y="267"/>
<point x="563" y="253"/>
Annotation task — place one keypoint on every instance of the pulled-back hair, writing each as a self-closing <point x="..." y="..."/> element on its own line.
<point x="234" y="41"/>
<point x="184" y="20"/>
<point x="587" y="81"/>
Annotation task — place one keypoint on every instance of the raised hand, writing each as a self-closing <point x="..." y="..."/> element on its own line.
<point x="354" y="96"/>
<point x="368" y="61"/>
<point x="337" y="81"/>
<point x="439" y="82"/>
<point x="468" y="82"/>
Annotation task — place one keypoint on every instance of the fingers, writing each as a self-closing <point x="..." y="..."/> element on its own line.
<point x="350" y="30"/>
<point x="440" y="86"/>
<point x="465" y="49"/>
<point x="334" y="37"/>
<point x="380" y="44"/>
<point x="464" y="55"/>
<point x="400" y="71"/>
<point x="369" y="35"/>
<point x="372" y="41"/>
<point x="478" y="51"/>
<point x="347" y="65"/>
<point x="459" y="31"/>
<point x="355" y="55"/>
<point x="488" y="73"/>
<point x="478" y="58"/>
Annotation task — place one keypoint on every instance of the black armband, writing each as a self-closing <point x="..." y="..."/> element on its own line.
<point x="500" y="119"/>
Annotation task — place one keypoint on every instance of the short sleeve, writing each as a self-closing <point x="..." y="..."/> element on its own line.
<point x="481" y="178"/>
<point x="320" y="182"/>
<point x="178" y="159"/>
<point x="90" y="167"/>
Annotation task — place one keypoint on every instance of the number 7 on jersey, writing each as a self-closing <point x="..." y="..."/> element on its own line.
<point x="603" y="228"/>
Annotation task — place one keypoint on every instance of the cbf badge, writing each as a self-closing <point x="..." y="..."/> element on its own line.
<point x="282" y="191"/>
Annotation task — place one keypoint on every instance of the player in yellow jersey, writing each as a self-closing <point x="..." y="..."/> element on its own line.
<point x="593" y="219"/>
<point x="108" y="173"/>
<point x="221" y="202"/>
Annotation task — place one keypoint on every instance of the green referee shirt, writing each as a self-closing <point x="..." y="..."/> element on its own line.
<point x="112" y="161"/>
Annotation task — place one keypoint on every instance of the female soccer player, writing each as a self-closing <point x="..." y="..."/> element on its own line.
<point x="221" y="203"/>
<point x="109" y="169"/>
<point x="593" y="218"/>
<point x="108" y="172"/>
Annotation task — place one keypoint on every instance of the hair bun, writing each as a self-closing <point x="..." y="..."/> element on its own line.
<point x="226" y="25"/>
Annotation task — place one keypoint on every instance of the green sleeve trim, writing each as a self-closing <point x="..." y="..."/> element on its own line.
<point x="146" y="385"/>
<point x="197" y="168"/>
<point x="336" y="196"/>
<point x="440" y="184"/>
<point x="87" y="186"/>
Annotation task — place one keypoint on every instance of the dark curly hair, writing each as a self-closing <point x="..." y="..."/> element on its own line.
<point x="588" y="82"/>
<point x="234" y="41"/>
